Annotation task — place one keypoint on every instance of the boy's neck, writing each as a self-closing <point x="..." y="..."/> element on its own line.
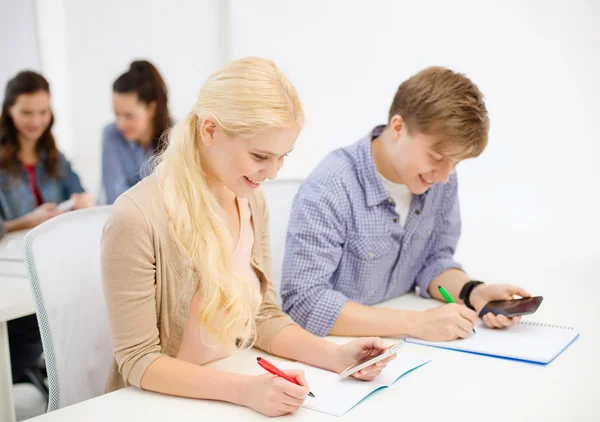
<point x="381" y="156"/>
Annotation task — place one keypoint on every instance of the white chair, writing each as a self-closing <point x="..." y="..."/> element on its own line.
<point x="280" y="197"/>
<point x="63" y="260"/>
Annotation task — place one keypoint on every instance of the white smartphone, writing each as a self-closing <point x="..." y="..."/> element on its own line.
<point x="67" y="205"/>
<point x="370" y="360"/>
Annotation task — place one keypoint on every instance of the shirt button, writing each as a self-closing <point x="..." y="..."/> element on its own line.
<point x="371" y="255"/>
<point x="428" y="232"/>
<point x="390" y="200"/>
<point x="395" y="219"/>
<point x="417" y="212"/>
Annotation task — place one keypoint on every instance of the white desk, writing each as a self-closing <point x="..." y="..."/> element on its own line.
<point x="12" y="255"/>
<point x="16" y="300"/>
<point x="453" y="386"/>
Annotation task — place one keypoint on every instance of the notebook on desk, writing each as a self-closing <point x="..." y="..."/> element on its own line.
<point x="526" y="341"/>
<point x="335" y="396"/>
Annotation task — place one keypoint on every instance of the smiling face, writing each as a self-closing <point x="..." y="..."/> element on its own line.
<point x="411" y="159"/>
<point x="31" y="114"/>
<point x="437" y="118"/>
<point x="242" y="163"/>
<point x="133" y="117"/>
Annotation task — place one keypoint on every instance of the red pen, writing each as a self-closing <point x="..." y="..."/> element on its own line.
<point x="269" y="367"/>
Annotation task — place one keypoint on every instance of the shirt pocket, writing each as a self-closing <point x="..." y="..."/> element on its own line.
<point x="423" y="238"/>
<point x="376" y="248"/>
<point x="366" y="268"/>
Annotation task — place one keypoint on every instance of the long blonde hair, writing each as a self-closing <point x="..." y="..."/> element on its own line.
<point x="247" y="96"/>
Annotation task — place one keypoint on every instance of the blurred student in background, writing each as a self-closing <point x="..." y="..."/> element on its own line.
<point x="34" y="178"/>
<point x="34" y="175"/>
<point x="140" y="101"/>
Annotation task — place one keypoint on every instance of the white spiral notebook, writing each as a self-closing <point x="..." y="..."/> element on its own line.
<point x="335" y="396"/>
<point x="526" y="341"/>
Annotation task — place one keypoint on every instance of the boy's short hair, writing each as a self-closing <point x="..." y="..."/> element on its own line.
<point x="440" y="102"/>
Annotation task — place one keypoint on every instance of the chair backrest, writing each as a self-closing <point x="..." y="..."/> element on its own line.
<point x="63" y="260"/>
<point x="280" y="196"/>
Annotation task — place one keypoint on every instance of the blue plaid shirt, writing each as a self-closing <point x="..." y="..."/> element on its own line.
<point x="345" y="241"/>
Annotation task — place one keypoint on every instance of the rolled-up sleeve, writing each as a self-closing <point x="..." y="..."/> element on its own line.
<point x="128" y="277"/>
<point x="446" y="235"/>
<point x="314" y="247"/>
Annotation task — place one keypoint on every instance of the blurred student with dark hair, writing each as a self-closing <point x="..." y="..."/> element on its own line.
<point x="34" y="178"/>
<point x="34" y="175"/>
<point x="140" y="102"/>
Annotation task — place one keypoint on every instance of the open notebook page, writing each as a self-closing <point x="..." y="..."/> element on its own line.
<point x="526" y="340"/>
<point x="335" y="396"/>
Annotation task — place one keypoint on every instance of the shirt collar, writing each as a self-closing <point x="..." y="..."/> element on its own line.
<point x="367" y="172"/>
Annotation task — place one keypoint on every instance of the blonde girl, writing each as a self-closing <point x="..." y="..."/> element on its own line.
<point x="186" y="260"/>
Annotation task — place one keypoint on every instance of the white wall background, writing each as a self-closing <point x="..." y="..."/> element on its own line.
<point x="18" y="39"/>
<point x="533" y="194"/>
<point x="101" y="40"/>
<point x="536" y="62"/>
<point x="529" y="203"/>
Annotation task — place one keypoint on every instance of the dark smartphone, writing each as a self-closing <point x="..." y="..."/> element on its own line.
<point x="512" y="308"/>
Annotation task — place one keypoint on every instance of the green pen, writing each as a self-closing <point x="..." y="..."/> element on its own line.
<point x="448" y="298"/>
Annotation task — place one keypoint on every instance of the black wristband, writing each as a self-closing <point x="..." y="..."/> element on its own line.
<point x="465" y="292"/>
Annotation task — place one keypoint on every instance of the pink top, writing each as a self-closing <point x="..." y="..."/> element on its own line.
<point x="199" y="345"/>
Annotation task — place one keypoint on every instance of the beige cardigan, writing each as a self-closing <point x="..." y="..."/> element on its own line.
<point x="145" y="286"/>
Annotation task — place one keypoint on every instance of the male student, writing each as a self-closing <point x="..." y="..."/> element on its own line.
<point x="380" y="218"/>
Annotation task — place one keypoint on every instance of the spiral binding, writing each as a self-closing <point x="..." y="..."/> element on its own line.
<point x="541" y="324"/>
